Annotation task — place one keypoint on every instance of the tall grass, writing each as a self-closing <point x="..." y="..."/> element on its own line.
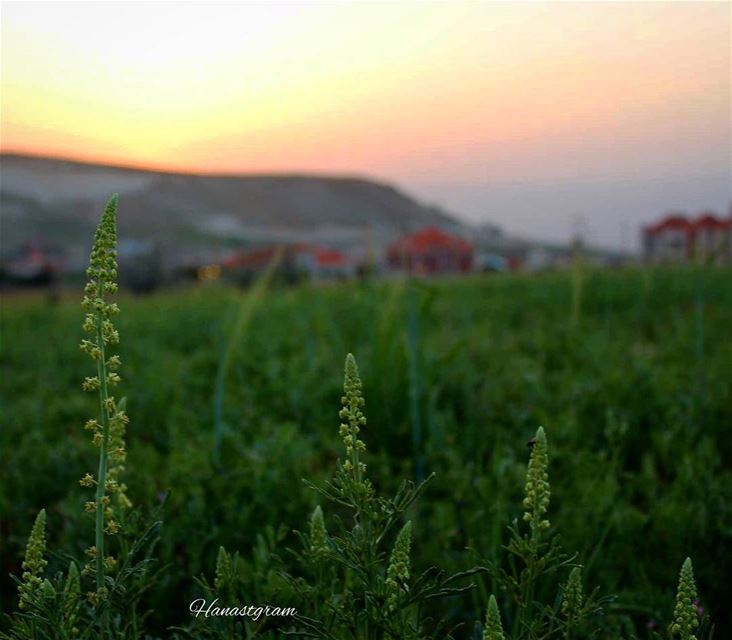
<point x="246" y="307"/>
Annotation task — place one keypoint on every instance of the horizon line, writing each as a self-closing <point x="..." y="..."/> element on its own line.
<point x="167" y="170"/>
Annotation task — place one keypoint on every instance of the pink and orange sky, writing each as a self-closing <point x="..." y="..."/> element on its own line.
<point x="532" y="115"/>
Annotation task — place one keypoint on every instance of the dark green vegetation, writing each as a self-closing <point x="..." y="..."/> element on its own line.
<point x="634" y="389"/>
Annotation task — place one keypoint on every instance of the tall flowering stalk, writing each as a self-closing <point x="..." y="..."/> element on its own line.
<point x="347" y="592"/>
<point x="536" y="501"/>
<point x="493" y="629"/>
<point x="33" y="562"/>
<point x="686" y="618"/>
<point x="530" y="548"/>
<point x="224" y="573"/>
<point x="352" y="419"/>
<point x="318" y="535"/>
<point x="108" y="427"/>
<point x="397" y="572"/>
<point x="572" y="601"/>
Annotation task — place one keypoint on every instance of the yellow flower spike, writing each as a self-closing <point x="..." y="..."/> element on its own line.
<point x="536" y="501"/>
<point x="493" y="629"/>
<point x="33" y="562"/>
<point x="352" y="417"/>
<point x="108" y="427"/>
<point x="573" y="597"/>
<point x="685" y="619"/>
<point x="223" y="571"/>
<point x="398" y="570"/>
<point x="318" y="534"/>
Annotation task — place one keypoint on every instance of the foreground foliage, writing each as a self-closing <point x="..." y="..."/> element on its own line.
<point x="635" y="394"/>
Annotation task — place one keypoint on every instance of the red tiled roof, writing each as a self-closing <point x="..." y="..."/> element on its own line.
<point x="705" y="222"/>
<point x="428" y="239"/>
<point x="670" y="222"/>
<point x="711" y="222"/>
<point x="329" y="258"/>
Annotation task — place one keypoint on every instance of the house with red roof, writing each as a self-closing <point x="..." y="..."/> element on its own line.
<point x="669" y="239"/>
<point x="679" y="239"/>
<point x="713" y="238"/>
<point x="431" y="251"/>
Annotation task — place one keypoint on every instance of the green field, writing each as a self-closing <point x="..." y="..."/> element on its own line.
<point x="629" y="372"/>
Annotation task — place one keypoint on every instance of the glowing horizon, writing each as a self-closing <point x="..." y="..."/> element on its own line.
<point x="419" y="93"/>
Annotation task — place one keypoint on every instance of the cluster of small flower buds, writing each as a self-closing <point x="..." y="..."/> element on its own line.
<point x="33" y="562"/>
<point x="224" y="572"/>
<point x="536" y="501"/>
<point x="318" y="535"/>
<point x="96" y="598"/>
<point x="573" y="597"/>
<point x="686" y="618"/>
<point x="398" y="569"/>
<point x="493" y="629"/>
<point x="102" y="273"/>
<point x="352" y="418"/>
<point x="117" y="456"/>
<point x="87" y="481"/>
<point x="89" y="568"/>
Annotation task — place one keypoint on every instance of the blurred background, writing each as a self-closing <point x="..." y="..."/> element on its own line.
<point x="501" y="134"/>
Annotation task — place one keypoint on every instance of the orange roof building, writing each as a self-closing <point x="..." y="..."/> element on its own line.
<point x="677" y="238"/>
<point x="429" y="251"/>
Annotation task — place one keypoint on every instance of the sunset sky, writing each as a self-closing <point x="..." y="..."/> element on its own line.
<point x="543" y="118"/>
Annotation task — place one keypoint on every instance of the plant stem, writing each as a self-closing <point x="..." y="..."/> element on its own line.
<point x="102" y="475"/>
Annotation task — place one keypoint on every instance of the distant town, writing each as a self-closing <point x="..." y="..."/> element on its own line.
<point x="178" y="228"/>
<point x="674" y="239"/>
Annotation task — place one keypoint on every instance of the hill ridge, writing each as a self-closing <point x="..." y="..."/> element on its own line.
<point x="58" y="199"/>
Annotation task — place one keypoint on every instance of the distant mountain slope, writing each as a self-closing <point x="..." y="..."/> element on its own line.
<point x="58" y="201"/>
